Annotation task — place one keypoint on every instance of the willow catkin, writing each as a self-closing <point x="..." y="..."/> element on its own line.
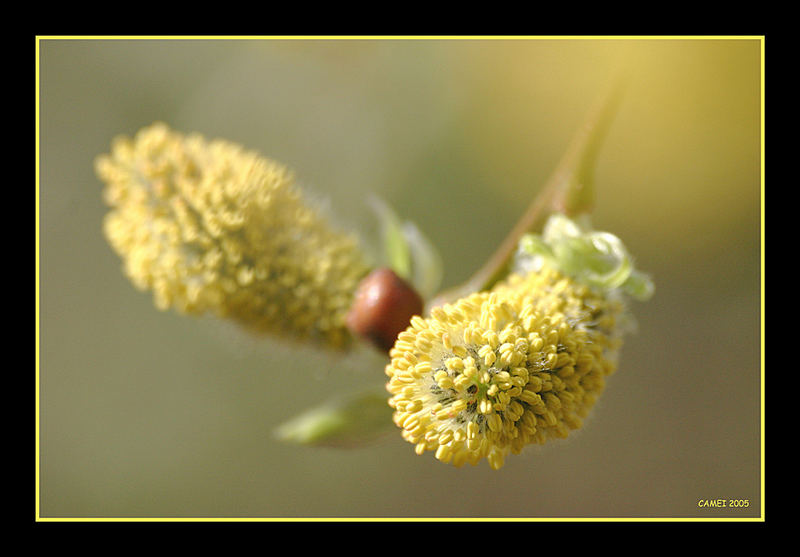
<point x="208" y="226"/>
<point x="498" y="370"/>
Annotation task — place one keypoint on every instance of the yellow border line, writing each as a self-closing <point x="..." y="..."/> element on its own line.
<point x="402" y="37"/>
<point x="763" y="285"/>
<point x="404" y="519"/>
<point x="760" y="38"/>
<point x="36" y="173"/>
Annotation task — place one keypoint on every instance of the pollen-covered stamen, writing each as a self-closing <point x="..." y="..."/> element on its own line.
<point x="209" y="226"/>
<point x="499" y="370"/>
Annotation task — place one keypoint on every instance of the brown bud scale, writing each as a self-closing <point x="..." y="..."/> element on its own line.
<point x="383" y="307"/>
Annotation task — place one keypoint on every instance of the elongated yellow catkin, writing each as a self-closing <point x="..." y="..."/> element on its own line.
<point x="498" y="370"/>
<point x="208" y="226"/>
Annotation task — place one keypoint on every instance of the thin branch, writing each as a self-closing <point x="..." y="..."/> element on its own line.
<point x="570" y="190"/>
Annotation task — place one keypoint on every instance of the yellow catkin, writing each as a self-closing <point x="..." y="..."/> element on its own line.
<point x="523" y="363"/>
<point x="208" y="226"/>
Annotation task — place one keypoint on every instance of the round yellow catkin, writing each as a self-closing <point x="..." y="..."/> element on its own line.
<point x="501" y="369"/>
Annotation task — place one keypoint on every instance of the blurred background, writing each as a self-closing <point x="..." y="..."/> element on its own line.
<point x="151" y="414"/>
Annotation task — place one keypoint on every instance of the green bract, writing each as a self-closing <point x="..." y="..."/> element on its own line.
<point x="596" y="258"/>
<point x="348" y="421"/>
<point x="407" y="251"/>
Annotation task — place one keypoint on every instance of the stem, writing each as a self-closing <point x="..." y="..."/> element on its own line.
<point x="569" y="190"/>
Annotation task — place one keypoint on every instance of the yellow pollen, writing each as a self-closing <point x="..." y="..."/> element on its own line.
<point x="209" y="227"/>
<point x="518" y="365"/>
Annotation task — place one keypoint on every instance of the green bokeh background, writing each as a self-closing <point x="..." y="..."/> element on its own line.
<point x="152" y="414"/>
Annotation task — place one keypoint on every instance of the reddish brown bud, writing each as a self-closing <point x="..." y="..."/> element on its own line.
<point x="383" y="307"/>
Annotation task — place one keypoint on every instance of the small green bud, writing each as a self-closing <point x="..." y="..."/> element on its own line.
<point x="596" y="258"/>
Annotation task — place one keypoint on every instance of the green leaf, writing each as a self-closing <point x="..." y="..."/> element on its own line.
<point x="407" y="251"/>
<point x="344" y="422"/>
<point x="426" y="263"/>
<point x="395" y="244"/>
